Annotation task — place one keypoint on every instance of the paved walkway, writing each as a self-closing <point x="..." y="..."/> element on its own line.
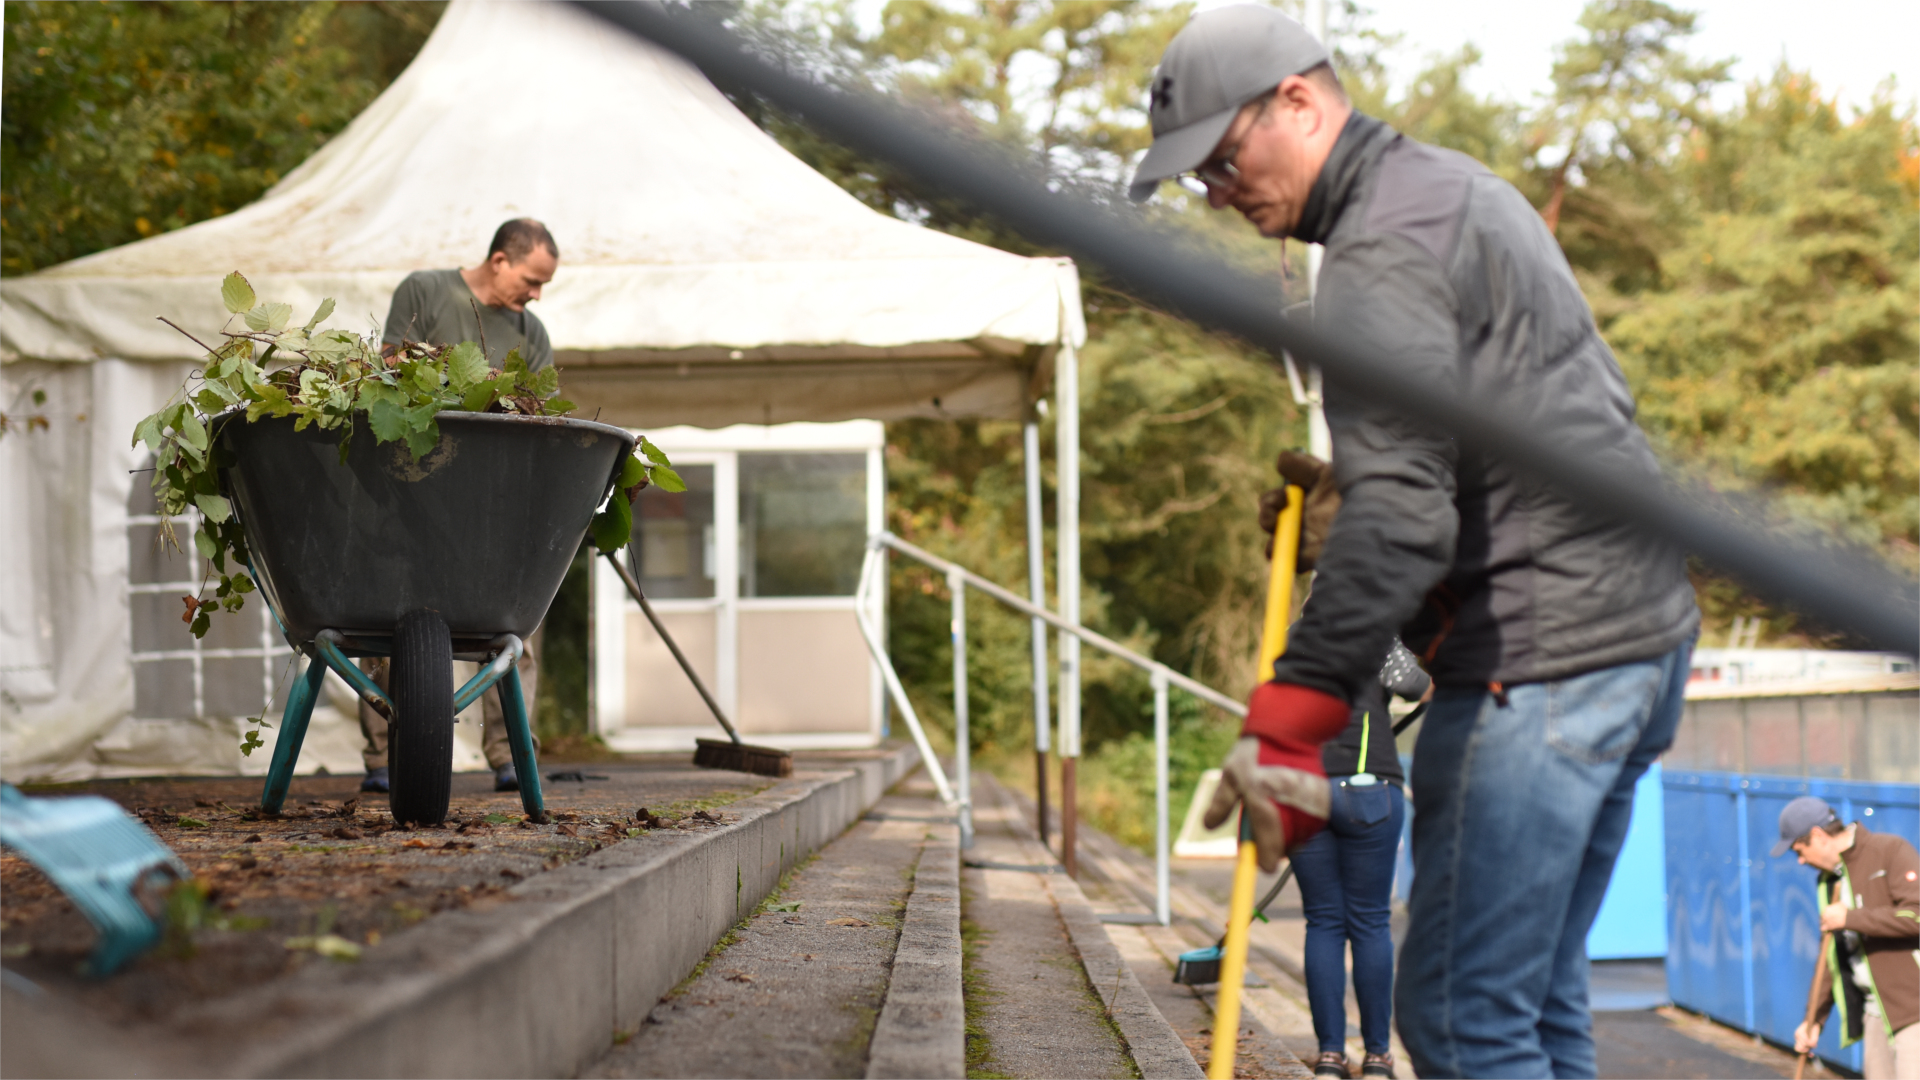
<point x="799" y="988"/>
<point x="1032" y="1011"/>
<point x="1632" y="1042"/>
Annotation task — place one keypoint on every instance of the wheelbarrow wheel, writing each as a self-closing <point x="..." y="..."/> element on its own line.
<point x="420" y="743"/>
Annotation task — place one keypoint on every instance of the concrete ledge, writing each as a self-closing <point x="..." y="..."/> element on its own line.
<point x="535" y="987"/>
<point x="1157" y="1050"/>
<point x="922" y="1031"/>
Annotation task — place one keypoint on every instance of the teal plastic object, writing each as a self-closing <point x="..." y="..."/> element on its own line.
<point x="97" y="854"/>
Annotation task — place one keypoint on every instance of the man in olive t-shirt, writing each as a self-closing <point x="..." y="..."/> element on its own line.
<point x="485" y="305"/>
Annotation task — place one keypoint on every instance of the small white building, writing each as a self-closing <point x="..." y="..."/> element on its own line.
<point x="753" y="570"/>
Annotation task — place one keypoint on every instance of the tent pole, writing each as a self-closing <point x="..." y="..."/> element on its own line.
<point x="1037" y="591"/>
<point x="1067" y="458"/>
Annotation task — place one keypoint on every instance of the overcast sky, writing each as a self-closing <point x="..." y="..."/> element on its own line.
<point x="1849" y="45"/>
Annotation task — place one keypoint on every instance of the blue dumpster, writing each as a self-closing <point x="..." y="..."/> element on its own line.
<point x="1743" y="932"/>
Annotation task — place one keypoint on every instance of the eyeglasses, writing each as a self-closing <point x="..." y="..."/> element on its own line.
<point x="1219" y="171"/>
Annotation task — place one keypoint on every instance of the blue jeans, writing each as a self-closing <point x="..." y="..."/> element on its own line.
<point x="1346" y="888"/>
<point x="1519" y="812"/>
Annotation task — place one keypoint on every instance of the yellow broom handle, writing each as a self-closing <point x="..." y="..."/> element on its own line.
<point x="1233" y="958"/>
<point x="1286" y="554"/>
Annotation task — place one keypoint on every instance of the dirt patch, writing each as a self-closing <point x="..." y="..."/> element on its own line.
<point x="334" y="866"/>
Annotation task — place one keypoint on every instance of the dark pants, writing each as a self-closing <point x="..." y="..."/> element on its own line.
<point x="1346" y="888"/>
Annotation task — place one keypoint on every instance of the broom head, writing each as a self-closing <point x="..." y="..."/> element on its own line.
<point x="740" y="757"/>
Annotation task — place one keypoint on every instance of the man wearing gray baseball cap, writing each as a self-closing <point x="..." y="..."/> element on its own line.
<point x="1558" y="639"/>
<point x="1869" y="897"/>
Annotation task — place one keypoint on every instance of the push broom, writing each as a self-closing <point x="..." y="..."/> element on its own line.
<point x="708" y="753"/>
<point x="1233" y="959"/>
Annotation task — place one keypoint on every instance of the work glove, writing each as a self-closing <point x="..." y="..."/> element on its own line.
<point x="1275" y="771"/>
<point x="1315" y="477"/>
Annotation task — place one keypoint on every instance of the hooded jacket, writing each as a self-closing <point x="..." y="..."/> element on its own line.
<point x="1485" y="572"/>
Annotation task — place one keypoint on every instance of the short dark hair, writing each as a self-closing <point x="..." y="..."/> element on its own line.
<point x="517" y="239"/>
<point x="1323" y="74"/>
<point x="1833" y="826"/>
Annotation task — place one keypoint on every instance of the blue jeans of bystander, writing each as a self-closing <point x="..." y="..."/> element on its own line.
<point x="1346" y="889"/>
<point x="1520" y="809"/>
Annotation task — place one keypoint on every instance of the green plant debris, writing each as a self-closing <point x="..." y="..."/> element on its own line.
<point x="501" y="819"/>
<point x="793" y="905"/>
<point x="265" y="366"/>
<point x="331" y="946"/>
<point x="186" y="822"/>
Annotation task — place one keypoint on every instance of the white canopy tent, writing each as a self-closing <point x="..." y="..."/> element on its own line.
<point x="707" y="277"/>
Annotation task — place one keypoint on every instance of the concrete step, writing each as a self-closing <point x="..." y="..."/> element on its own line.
<point x="855" y="967"/>
<point x="855" y="956"/>
<point x="1276" y="1037"/>
<point x="1048" y="992"/>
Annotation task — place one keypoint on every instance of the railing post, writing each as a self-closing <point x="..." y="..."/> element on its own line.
<point x="1162" y="868"/>
<point x="1037" y="590"/>
<point x="962" y="735"/>
<point x="1066" y="427"/>
<point x="872" y="566"/>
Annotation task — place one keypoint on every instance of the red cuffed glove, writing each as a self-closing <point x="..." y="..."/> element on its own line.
<point x="1275" y="768"/>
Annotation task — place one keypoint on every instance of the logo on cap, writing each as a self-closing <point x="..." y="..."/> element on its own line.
<point x="1163" y="93"/>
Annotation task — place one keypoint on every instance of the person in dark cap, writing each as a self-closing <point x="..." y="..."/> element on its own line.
<point x="1869" y="964"/>
<point x="1557" y="638"/>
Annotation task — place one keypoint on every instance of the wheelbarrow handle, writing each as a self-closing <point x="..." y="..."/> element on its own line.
<point x="633" y="588"/>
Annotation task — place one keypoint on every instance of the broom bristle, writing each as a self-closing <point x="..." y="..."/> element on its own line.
<point x="740" y="757"/>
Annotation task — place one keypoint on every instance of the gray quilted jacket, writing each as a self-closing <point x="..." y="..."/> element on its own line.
<point x="1486" y="573"/>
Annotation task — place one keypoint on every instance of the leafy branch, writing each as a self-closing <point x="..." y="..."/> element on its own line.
<point x="325" y="378"/>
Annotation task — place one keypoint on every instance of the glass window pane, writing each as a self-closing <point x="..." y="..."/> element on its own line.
<point x="163" y="690"/>
<point x="672" y="552"/>
<point x="243" y="629"/>
<point x="803" y="523"/>
<point x="156" y="622"/>
<point x="140" y="498"/>
<point x="152" y="561"/>
<point x="233" y="687"/>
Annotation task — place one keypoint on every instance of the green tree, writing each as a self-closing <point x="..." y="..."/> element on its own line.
<point x="121" y="120"/>
<point x="1626" y="97"/>
<point x="1777" y="349"/>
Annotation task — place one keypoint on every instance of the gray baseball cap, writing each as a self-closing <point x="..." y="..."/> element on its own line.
<point x="1223" y="59"/>
<point x="1802" y="816"/>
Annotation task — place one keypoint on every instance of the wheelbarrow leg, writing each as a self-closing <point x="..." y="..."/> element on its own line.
<point x="293" y="731"/>
<point x="513" y="708"/>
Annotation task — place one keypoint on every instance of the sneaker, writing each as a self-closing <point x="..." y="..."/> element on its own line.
<point x="505" y="779"/>
<point x="1380" y="1065"/>
<point x="376" y="780"/>
<point x="1332" y="1063"/>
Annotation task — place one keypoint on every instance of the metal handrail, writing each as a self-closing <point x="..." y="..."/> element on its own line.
<point x="960" y="798"/>
<point x="1106" y="644"/>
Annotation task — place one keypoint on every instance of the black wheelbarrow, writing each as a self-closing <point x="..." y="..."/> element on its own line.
<point x="454" y="556"/>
